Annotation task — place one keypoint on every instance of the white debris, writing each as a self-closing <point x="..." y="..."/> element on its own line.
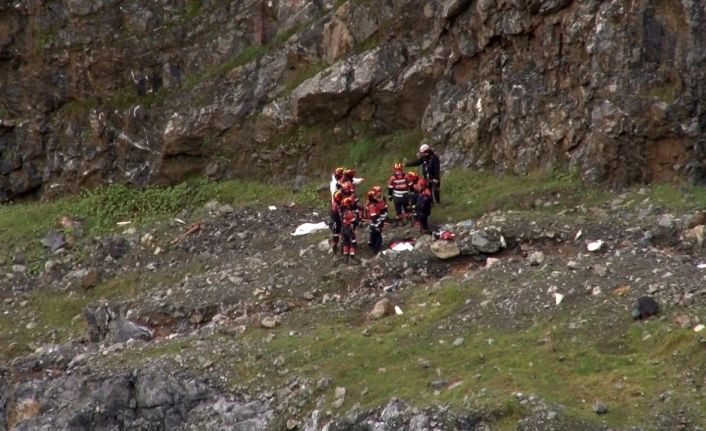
<point x="558" y="297"/>
<point x="595" y="245"/>
<point x="398" y="310"/>
<point x="272" y="208"/>
<point x="699" y="328"/>
<point x="123" y="223"/>
<point x="307" y="228"/>
<point x="402" y="246"/>
<point x="578" y="234"/>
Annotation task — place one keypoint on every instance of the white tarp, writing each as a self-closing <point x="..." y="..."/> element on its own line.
<point x="307" y="228"/>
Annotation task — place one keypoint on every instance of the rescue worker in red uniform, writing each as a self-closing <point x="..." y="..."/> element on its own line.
<point x="424" y="202"/>
<point x="348" y="191"/>
<point x="349" y="221"/>
<point x="412" y="179"/>
<point x="335" y="220"/>
<point x="382" y="202"/>
<point x="398" y="191"/>
<point x="375" y="221"/>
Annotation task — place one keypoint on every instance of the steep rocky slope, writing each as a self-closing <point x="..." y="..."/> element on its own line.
<point x="150" y="92"/>
<point x="221" y="319"/>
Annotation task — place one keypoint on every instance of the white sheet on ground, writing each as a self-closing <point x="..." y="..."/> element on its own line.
<point x="307" y="228"/>
<point x="402" y="246"/>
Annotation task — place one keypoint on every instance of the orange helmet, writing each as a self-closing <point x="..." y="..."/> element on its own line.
<point x="338" y="197"/>
<point x="397" y="166"/>
<point x="412" y="176"/>
<point x="350" y="172"/>
<point x="377" y="189"/>
<point x="339" y="171"/>
<point x="347" y="201"/>
<point x="372" y="194"/>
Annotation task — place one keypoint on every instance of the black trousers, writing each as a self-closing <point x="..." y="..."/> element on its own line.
<point x="436" y="190"/>
<point x="375" y="240"/>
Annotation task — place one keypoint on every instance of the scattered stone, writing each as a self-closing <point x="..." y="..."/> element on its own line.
<point x="599" y="408"/>
<point x="445" y="249"/>
<point x="572" y="264"/>
<point x="269" y="322"/>
<point x="54" y="240"/>
<point x="600" y="270"/>
<point x="86" y="278"/>
<point x="339" y="397"/>
<point x="644" y="308"/>
<point x="116" y="246"/>
<point x="438" y="384"/>
<point x="536" y="258"/>
<point x="19" y="268"/>
<point x="683" y="321"/>
<point x="382" y="308"/>
<point x="696" y="220"/>
<point x="458" y="341"/>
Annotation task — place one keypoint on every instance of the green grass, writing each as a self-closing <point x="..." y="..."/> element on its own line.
<point x="56" y="313"/>
<point x="569" y="369"/>
<point x="23" y="226"/>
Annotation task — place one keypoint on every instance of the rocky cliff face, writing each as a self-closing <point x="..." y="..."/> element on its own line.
<point x="149" y="92"/>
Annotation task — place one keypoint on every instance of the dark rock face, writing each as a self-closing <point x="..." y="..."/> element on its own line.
<point x="152" y="92"/>
<point x="148" y="400"/>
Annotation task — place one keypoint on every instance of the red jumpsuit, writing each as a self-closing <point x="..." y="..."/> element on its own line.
<point x="349" y="220"/>
<point x="398" y="189"/>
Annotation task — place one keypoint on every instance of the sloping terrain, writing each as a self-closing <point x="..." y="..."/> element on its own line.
<point x="218" y="318"/>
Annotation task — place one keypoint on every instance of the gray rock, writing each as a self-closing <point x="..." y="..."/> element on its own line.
<point x="54" y="240"/>
<point x="599" y="408"/>
<point x="419" y="422"/>
<point x="106" y="322"/>
<point x="445" y="249"/>
<point x="116" y="246"/>
<point x="536" y="258"/>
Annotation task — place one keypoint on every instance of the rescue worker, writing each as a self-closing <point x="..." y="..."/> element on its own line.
<point x="412" y="179"/>
<point x="398" y="191"/>
<point x="335" y="220"/>
<point x="349" y="222"/>
<point x="424" y="202"/>
<point x="336" y="179"/>
<point x="375" y="222"/>
<point x="349" y="175"/>
<point x="348" y="191"/>
<point x="431" y="169"/>
<point x="382" y="202"/>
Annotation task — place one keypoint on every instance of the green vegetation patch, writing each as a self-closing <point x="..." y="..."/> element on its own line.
<point x="56" y="314"/>
<point x="413" y="357"/>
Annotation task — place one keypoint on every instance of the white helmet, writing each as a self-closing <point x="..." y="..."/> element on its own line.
<point x="424" y="148"/>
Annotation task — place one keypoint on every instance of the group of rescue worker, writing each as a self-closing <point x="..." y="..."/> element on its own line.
<point x="411" y="196"/>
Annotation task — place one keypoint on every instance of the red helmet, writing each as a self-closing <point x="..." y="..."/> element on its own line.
<point x="397" y="166"/>
<point x="348" y="201"/>
<point x="338" y="171"/>
<point x="338" y="197"/>
<point x="350" y="172"/>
